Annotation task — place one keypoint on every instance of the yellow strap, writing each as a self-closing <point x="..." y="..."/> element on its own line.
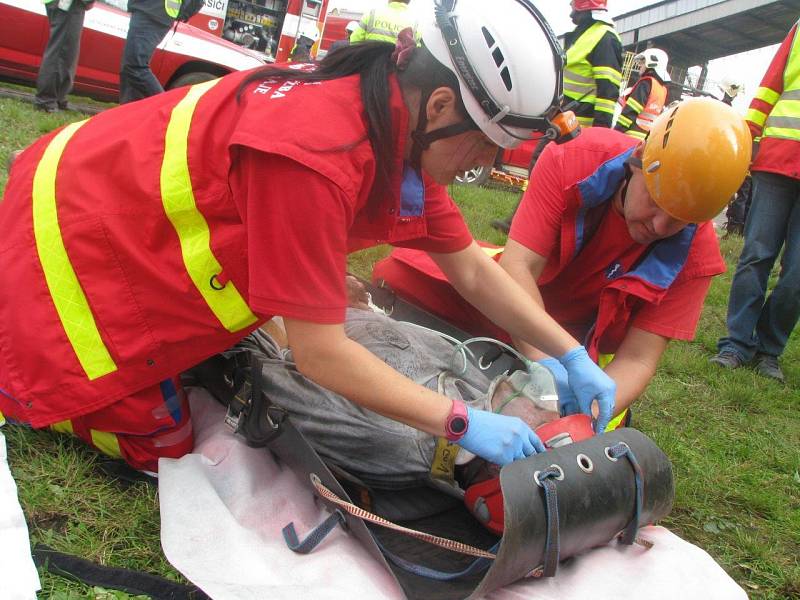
<point x="444" y="460"/>
<point x="105" y="442"/>
<point x="190" y="225"/>
<point x="62" y="282"/>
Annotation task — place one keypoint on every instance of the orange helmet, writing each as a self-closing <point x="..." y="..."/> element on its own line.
<point x="581" y="5"/>
<point x="695" y="158"/>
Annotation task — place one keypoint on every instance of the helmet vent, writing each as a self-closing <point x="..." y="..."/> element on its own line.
<point x="488" y="37"/>
<point x="506" y="77"/>
<point x="497" y="54"/>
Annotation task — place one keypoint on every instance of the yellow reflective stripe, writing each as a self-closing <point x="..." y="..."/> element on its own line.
<point x="62" y="282"/>
<point x="608" y="73"/>
<point x="105" y="442"/>
<point x="577" y="77"/>
<point x="172" y="7"/>
<point x="2" y="419"/>
<point x="635" y="105"/>
<point x="605" y="106"/>
<point x="767" y="95"/>
<point x="624" y="121"/>
<point x="62" y="427"/>
<point x="755" y="116"/>
<point x="639" y="135"/>
<point x="616" y="421"/>
<point x="586" y="121"/>
<point x="190" y="225"/>
<point x="782" y="132"/>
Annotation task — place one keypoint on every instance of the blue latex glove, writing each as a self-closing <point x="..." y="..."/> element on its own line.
<point x="567" y="402"/>
<point x="498" y="438"/>
<point x="589" y="383"/>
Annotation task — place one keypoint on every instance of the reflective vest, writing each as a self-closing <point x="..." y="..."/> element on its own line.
<point x="124" y="253"/>
<point x="783" y="121"/>
<point x="384" y="24"/>
<point x="645" y="115"/>
<point x="580" y="75"/>
<point x="172" y="7"/>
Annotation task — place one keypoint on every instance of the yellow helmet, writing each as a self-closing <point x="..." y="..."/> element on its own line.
<point x="695" y="158"/>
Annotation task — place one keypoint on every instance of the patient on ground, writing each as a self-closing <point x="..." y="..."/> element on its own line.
<point x="380" y="451"/>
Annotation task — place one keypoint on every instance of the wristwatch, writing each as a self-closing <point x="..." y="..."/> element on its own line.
<point x="457" y="422"/>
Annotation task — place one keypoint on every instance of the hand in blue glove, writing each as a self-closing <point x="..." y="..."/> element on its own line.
<point x="567" y="402"/>
<point x="498" y="438"/>
<point x="589" y="383"/>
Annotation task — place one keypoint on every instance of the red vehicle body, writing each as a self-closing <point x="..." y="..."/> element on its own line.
<point x="187" y="55"/>
<point x="511" y="166"/>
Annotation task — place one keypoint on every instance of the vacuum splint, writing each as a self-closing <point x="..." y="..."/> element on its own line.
<point x="583" y="492"/>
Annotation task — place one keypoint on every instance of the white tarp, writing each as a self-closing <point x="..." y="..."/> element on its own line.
<point x="223" y="508"/>
<point x="20" y="580"/>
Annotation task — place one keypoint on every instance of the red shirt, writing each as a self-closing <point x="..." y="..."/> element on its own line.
<point x="571" y="287"/>
<point x="280" y="175"/>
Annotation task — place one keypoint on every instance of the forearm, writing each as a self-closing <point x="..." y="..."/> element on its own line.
<point x="347" y="368"/>
<point x="492" y="291"/>
<point x="521" y="273"/>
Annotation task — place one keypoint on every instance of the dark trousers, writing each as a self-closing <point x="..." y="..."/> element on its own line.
<point x="136" y="80"/>
<point x="60" y="59"/>
<point x="758" y="323"/>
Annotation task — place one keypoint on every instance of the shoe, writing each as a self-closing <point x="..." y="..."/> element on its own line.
<point x="502" y="225"/>
<point x="768" y="366"/>
<point x="64" y="106"/>
<point x="727" y="360"/>
<point x="45" y="108"/>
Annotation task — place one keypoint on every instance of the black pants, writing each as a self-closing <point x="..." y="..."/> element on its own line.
<point x="136" y="80"/>
<point x="60" y="59"/>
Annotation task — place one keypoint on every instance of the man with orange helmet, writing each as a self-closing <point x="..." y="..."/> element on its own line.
<point x="643" y="102"/>
<point x="616" y="234"/>
<point x="593" y="71"/>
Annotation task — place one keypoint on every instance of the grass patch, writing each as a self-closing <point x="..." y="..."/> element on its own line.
<point x="733" y="438"/>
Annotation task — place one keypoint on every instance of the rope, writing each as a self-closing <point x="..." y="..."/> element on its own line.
<point x="375" y="519"/>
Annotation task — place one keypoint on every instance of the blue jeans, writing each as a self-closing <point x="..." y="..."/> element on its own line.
<point x="136" y="80"/>
<point x="755" y="326"/>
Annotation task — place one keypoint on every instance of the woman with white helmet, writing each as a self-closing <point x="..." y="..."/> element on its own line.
<point x="223" y="204"/>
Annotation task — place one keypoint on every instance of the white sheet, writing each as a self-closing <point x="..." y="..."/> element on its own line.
<point x="20" y="580"/>
<point x="223" y="508"/>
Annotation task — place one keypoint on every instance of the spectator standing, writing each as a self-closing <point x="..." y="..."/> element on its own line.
<point x="645" y="100"/>
<point x="757" y="330"/>
<point x="60" y="59"/>
<point x="150" y="22"/>
<point x="384" y="24"/>
<point x="593" y="72"/>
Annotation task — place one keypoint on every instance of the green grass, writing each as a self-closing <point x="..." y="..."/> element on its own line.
<point x="733" y="438"/>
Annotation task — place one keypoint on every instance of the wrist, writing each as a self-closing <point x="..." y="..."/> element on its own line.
<point x="572" y="354"/>
<point x="456" y="424"/>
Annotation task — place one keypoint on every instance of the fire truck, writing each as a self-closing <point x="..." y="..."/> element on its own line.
<point x="271" y="27"/>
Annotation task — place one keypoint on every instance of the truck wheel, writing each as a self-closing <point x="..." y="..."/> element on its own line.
<point x="476" y="176"/>
<point x="192" y="78"/>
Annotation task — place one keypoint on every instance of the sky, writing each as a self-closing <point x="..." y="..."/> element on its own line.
<point x="749" y="67"/>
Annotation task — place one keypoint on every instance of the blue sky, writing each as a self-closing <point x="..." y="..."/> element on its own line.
<point x="748" y="66"/>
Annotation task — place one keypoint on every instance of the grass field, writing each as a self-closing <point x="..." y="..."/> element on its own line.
<point x="733" y="437"/>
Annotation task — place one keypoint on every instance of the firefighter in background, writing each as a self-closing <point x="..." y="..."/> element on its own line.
<point x="643" y="102"/>
<point x="383" y="24"/>
<point x="593" y="72"/>
<point x="759" y="326"/>
<point x="730" y="88"/>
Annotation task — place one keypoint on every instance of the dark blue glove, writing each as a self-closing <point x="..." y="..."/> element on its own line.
<point x="589" y="383"/>
<point x="498" y="438"/>
<point x="567" y="402"/>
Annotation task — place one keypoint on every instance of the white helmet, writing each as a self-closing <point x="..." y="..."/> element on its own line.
<point x="507" y="61"/>
<point x="656" y="59"/>
<point x="351" y="26"/>
<point x="731" y="86"/>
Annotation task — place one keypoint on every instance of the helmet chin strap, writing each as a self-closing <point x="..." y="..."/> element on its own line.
<point x="422" y="140"/>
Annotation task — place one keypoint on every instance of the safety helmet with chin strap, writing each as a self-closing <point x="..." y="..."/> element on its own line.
<point x="508" y="64"/>
<point x="656" y="59"/>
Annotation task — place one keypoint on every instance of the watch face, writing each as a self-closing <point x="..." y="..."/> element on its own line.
<point x="458" y="425"/>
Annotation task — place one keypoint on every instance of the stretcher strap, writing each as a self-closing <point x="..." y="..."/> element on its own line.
<point x="619" y="450"/>
<point x="313" y="539"/>
<point x="552" y="547"/>
<point x="477" y="566"/>
<point x="375" y="519"/>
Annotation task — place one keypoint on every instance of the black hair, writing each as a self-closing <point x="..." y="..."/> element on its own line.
<point x="372" y="61"/>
